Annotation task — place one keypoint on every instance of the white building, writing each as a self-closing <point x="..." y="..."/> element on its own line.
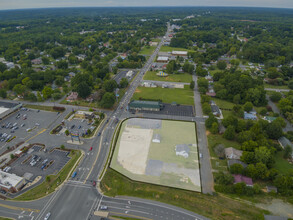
<point x="163" y="59"/>
<point x="179" y="53"/>
<point x="129" y="73"/>
<point x="10" y="182"/>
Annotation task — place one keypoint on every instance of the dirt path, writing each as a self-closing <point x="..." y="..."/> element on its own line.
<point x="278" y="207"/>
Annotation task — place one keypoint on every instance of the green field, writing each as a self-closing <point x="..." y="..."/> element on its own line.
<point x="182" y="77"/>
<point x="217" y="206"/>
<point x="148" y="50"/>
<point x="175" y="171"/>
<point x="170" y="49"/>
<point x="180" y="96"/>
<point x="282" y="165"/>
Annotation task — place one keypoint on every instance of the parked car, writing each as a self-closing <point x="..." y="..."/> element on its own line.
<point x="103" y="207"/>
<point x="94" y="183"/>
<point x="91" y="148"/>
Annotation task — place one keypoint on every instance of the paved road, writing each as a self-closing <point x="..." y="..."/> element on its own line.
<point x="207" y="181"/>
<point x="277" y="90"/>
<point x="78" y="199"/>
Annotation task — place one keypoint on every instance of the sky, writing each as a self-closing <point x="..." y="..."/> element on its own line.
<point x="18" y="4"/>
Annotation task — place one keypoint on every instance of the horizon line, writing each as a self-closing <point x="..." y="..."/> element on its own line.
<point x="155" y="6"/>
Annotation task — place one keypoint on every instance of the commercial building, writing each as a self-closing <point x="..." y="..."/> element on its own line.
<point x="11" y="182"/>
<point x="84" y="115"/>
<point x="7" y="108"/>
<point x="163" y="59"/>
<point x="179" y="53"/>
<point x="145" y="105"/>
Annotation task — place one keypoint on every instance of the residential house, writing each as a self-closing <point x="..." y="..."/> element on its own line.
<point x="37" y="61"/>
<point x="250" y="116"/>
<point x="242" y="179"/>
<point x="232" y="153"/>
<point x="72" y="97"/>
<point x="283" y="141"/>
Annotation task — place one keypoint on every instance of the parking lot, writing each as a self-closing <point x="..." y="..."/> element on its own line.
<point x="24" y="124"/>
<point x="122" y="74"/>
<point x="169" y="109"/>
<point x="77" y="126"/>
<point x="46" y="162"/>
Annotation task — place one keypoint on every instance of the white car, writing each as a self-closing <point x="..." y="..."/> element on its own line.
<point x="47" y="216"/>
<point x="103" y="207"/>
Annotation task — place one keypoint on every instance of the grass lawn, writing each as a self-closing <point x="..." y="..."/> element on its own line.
<point x="182" y="77"/>
<point x="214" y="207"/>
<point x="170" y="49"/>
<point x="275" y="87"/>
<point x="4" y="218"/>
<point x="213" y="141"/>
<point x="48" y="187"/>
<point x="282" y="165"/>
<point x="148" y="50"/>
<point x="41" y="107"/>
<point x="180" y="96"/>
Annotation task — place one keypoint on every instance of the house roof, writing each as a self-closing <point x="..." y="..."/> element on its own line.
<point x="233" y="153"/>
<point x="284" y="142"/>
<point x="157" y="136"/>
<point x="239" y="179"/>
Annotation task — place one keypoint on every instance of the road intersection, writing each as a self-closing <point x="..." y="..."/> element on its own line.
<point x="78" y="199"/>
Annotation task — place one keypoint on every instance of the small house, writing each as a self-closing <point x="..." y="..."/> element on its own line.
<point x="242" y="179"/>
<point x="250" y="116"/>
<point x="232" y="153"/>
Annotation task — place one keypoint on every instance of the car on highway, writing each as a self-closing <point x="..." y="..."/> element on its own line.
<point x="91" y="148"/>
<point x="47" y="216"/>
<point x="103" y="207"/>
<point x="99" y="134"/>
<point x="200" y="155"/>
<point x="94" y="183"/>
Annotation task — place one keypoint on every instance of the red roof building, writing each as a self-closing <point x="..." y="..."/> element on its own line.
<point x="240" y="178"/>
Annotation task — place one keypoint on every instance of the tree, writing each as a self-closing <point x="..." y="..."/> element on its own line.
<point x="3" y="67"/>
<point x="202" y="82"/>
<point x="66" y="132"/>
<point x="229" y="134"/>
<point x="263" y="155"/>
<point x="248" y="106"/>
<point x="223" y="179"/>
<point x="215" y="128"/>
<point x="19" y="89"/>
<point x="236" y="168"/>
<point x="274" y="130"/>
<point x="108" y="100"/>
<point x="45" y="60"/>
<point x="123" y="83"/>
<point x="287" y="152"/>
<point x="206" y="108"/>
<point x="221" y="64"/>
<point x="48" y="179"/>
<point x="261" y="171"/>
<point x="276" y="96"/>
<point x="248" y="157"/>
<point x="12" y="156"/>
<point x="47" y="92"/>
<point x="211" y="119"/>
<point x="250" y="171"/>
<point x="83" y="90"/>
<point x="192" y="84"/>
<point x="220" y="150"/>
<point x="62" y="147"/>
<point x="3" y="93"/>
<point x="110" y="85"/>
<point x="62" y="64"/>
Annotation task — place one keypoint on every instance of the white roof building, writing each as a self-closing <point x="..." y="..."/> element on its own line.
<point x="179" y="53"/>
<point x="162" y="59"/>
<point x="10" y="182"/>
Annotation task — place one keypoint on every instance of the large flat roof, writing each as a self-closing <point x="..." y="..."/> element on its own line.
<point x="9" y="180"/>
